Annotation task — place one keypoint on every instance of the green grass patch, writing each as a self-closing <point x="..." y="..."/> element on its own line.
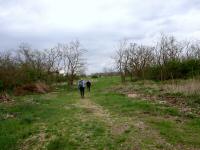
<point x="58" y="120"/>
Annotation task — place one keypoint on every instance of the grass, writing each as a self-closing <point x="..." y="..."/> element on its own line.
<point x="183" y="94"/>
<point x="105" y="119"/>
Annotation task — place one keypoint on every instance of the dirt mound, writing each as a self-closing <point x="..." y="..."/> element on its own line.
<point x="4" y="97"/>
<point x="38" y="87"/>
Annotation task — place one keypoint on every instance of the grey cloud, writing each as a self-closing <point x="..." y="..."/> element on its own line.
<point x="108" y="21"/>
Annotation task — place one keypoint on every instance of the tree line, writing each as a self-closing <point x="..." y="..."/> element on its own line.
<point x="167" y="59"/>
<point x="26" y="65"/>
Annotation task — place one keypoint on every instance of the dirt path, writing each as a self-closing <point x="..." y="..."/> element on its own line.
<point x="119" y="125"/>
<point x="97" y="111"/>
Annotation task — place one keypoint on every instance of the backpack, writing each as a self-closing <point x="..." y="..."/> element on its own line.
<point x="80" y="84"/>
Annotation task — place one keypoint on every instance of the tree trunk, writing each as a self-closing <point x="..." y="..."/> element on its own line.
<point x="123" y="77"/>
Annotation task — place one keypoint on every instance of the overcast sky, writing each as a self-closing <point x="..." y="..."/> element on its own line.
<point x="98" y="24"/>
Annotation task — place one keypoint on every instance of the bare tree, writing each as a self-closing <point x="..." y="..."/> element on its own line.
<point x="167" y="49"/>
<point x="140" y="58"/>
<point x="72" y="59"/>
<point x="121" y="58"/>
<point x="193" y="50"/>
<point x="32" y="60"/>
<point x="53" y="59"/>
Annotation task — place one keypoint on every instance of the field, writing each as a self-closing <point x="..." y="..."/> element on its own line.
<point x="133" y="116"/>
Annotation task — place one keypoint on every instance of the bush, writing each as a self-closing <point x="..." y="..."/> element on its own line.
<point x="94" y="76"/>
<point x="174" y="69"/>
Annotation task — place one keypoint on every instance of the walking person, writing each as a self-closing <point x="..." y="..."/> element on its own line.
<point x="88" y="83"/>
<point x="81" y="87"/>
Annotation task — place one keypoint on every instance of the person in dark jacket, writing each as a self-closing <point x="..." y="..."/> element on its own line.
<point x="88" y="83"/>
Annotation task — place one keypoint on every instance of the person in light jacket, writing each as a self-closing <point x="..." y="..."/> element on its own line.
<point x="81" y="87"/>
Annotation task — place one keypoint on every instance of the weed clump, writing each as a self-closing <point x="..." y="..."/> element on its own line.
<point x="4" y="97"/>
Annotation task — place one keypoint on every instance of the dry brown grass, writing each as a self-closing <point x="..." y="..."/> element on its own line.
<point x="38" y="87"/>
<point x="187" y="87"/>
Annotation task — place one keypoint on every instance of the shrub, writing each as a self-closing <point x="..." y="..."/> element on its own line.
<point x="94" y="76"/>
<point x="174" y="69"/>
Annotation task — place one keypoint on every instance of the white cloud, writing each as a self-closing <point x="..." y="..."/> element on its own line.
<point x="97" y="24"/>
